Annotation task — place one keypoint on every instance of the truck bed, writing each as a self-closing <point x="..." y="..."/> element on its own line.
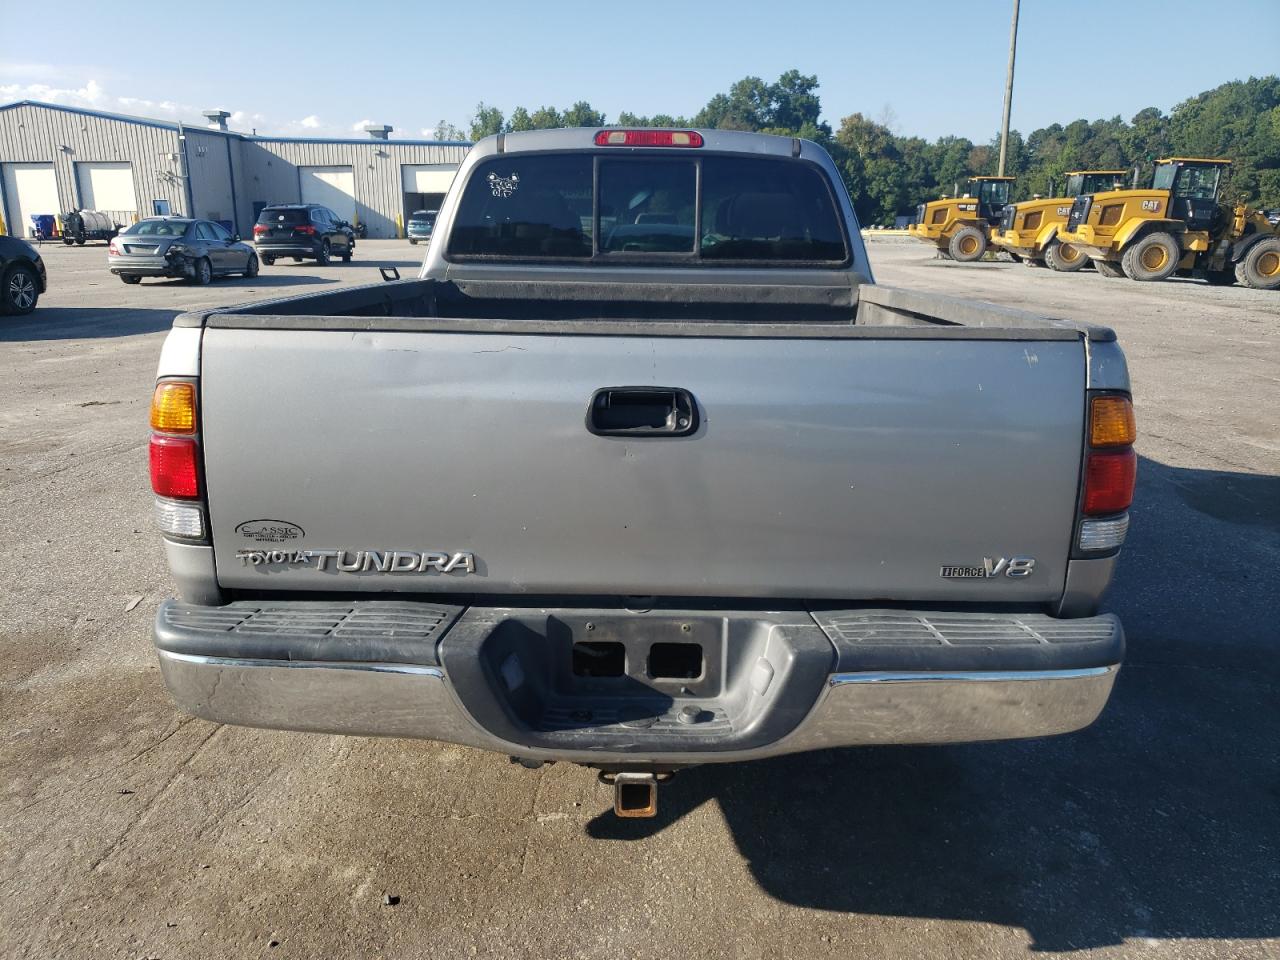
<point x="802" y="309"/>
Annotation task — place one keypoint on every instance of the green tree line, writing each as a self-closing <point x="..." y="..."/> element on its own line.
<point x="888" y="174"/>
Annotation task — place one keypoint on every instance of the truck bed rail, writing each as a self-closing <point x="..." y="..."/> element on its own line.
<point x="626" y="309"/>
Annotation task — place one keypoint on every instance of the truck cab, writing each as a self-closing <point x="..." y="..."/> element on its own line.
<point x="1179" y="225"/>
<point x="960" y="227"/>
<point x="1029" y="230"/>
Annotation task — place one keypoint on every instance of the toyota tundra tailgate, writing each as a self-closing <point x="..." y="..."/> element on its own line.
<point x="496" y="462"/>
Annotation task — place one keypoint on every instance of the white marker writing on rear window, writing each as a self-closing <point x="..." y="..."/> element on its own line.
<point x="504" y="186"/>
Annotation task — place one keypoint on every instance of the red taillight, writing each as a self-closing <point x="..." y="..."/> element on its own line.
<point x="307" y="229"/>
<point x="1109" y="478"/>
<point x="648" y="138"/>
<point x="260" y="228"/>
<point x="112" y="251"/>
<point x="174" y="469"/>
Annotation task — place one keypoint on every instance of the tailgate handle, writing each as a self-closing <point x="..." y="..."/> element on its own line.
<point x="642" y="412"/>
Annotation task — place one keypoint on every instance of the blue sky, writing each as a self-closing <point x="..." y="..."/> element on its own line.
<point x="933" y="67"/>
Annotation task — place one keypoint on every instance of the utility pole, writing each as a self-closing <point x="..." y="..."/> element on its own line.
<point x="185" y="175"/>
<point x="1008" y="88"/>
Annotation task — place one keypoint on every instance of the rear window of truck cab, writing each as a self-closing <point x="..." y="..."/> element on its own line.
<point x="713" y="209"/>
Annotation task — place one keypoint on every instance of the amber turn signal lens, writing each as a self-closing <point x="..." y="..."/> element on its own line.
<point x="1111" y="423"/>
<point x="173" y="407"/>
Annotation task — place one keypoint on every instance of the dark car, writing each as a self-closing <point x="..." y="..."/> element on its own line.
<point x="22" y="278"/>
<point x="421" y="223"/>
<point x="304" y="231"/>
<point x="195" y="250"/>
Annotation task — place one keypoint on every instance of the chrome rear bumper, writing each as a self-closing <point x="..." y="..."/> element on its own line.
<point x="396" y="700"/>
<point x="832" y="707"/>
<point x="150" y="266"/>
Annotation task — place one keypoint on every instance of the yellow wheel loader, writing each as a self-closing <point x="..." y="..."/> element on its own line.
<point x="960" y="227"/>
<point x="1028" y="231"/>
<point x="1177" y="226"/>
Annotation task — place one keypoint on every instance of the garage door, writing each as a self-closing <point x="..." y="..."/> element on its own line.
<point x="334" y="187"/>
<point x="427" y="178"/>
<point x="28" y="188"/>
<point x="108" y="187"/>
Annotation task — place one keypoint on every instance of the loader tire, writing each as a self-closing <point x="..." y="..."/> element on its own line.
<point x="1064" y="258"/>
<point x="968" y="245"/>
<point x="1260" y="267"/>
<point x="1154" y="257"/>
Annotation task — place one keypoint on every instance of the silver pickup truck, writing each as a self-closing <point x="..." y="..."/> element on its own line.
<point x="643" y="471"/>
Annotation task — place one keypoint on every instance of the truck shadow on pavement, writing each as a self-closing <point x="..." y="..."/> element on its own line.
<point x="1160" y="821"/>
<point x="84" y="323"/>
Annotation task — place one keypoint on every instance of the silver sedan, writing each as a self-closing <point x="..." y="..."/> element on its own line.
<point x="195" y="250"/>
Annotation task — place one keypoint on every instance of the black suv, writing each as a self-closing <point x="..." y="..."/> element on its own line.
<point x="22" y="277"/>
<point x="304" y="231"/>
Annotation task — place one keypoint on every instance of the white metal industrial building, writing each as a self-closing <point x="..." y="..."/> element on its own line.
<point x="55" y="158"/>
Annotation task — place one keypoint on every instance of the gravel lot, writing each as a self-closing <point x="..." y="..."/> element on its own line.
<point x="129" y="831"/>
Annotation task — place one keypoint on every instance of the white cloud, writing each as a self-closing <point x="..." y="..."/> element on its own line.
<point x="149" y="108"/>
<point x="89" y="95"/>
<point x="93" y="96"/>
<point x="29" y="84"/>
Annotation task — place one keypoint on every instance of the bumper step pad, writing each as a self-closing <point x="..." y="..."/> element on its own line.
<point x="879" y="640"/>
<point x="371" y="631"/>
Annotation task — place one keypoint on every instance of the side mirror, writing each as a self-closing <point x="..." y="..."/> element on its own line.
<point x="235" y="238"/>
<point x="343" y="224"/>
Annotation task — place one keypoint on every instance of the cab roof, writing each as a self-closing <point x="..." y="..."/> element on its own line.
<point x="1072" y="173"/>
<point x="1192" y="160"/>
<point x="578" y="138"/>
<point x="993" y="178"/>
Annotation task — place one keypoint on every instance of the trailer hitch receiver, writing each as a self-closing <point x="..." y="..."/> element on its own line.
<point x="635" y="794"/>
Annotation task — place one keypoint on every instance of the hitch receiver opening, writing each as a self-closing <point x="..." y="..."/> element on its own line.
<point x="635" y="795"/>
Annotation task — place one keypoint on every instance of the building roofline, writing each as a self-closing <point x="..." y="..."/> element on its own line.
<point x="197" y="128"/>
<point x="358" y="141"/>
<point x="123" y="117"/>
